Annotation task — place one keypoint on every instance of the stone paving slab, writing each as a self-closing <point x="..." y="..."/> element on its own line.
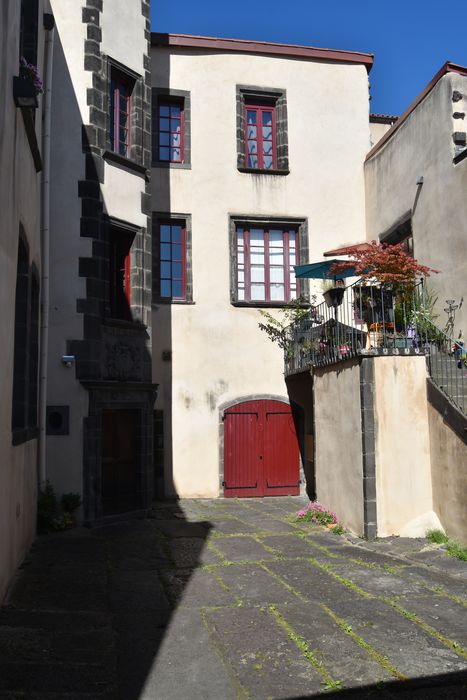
<point x="311" y="582"/>
<point x="239" y="549"/>
<point x="267" y="663"/>
<point x="290" y="545"/>
<point x="346" y="661"/>
<point x="440" y="560"/>
<point x="146" y="610"/>
<point x="65" y="589"/>
<point x="186" y="552"/>
<point x="435" y="579"/>
<point x="409" y="648"/>
<point x="362" y="554"/>
<point x="187" y="666"/>
<point x="137" y="590"/>
<point x="444" y="615"/>
<point x="196" y="589"/>
<point x="232" y="526"/>
<point x="254" y="585"/>
<point x="379" y="582"/>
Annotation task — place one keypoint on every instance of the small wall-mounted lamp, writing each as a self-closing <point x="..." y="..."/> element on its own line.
<point x="68" y="360"/>
<point x="24" y="93"/>
<point x="420" y="181"/>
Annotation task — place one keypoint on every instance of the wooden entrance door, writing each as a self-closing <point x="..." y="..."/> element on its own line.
<point x="119" y="461"/>
<point x="261" y="456"/>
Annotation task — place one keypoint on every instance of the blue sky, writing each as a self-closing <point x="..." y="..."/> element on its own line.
<point x="411" y="39"/>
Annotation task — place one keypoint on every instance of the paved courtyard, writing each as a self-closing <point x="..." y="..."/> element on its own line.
<point x="228" y="600"/>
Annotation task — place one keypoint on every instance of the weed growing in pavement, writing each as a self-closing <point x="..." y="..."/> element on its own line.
<point x="371" y="651"/>
<point x="437" y="536"/>
<point x="328" y="682"/>
<point x="454" y="549"/>
<point x="457" y="550"/>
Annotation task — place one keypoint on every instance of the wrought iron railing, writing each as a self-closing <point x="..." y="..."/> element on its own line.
<point x="364" y="319"/>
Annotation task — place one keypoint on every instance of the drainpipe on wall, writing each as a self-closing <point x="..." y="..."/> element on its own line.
<point x="45" y="236"/>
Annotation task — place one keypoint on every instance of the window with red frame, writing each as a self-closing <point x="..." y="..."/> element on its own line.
<point x="171" y="131"/>
<point x="121" y="87"/>
<point x="265" y="265"/>
<point x="119" y="278"/>
<point x="172" y="237"/>
<point x="260" y="137"/>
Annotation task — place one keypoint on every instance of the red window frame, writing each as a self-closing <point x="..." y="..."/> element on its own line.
<point x="167" y="250"/>
<point x="286" y="265"/>
<point x="260" y="110"/>
<point x="120" y="275"/>
<point x="170" y="105"/>
<point x="121" y="88"/>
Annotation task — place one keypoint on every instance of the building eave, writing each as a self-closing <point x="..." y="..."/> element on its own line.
<point x="263" y="48"/>
<point x="448" y="67"/>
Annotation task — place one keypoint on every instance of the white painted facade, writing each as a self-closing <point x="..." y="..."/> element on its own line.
<point x="218" y="352"/>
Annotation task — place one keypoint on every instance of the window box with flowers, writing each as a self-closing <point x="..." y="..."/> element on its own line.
<point x="27" y="86"/>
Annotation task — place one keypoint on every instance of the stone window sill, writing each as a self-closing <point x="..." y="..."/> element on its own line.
<point x="170" y="166"/>
<point x="258" y="171"/>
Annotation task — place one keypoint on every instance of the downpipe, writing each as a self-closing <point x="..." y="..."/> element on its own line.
<point x="45" y="253"/>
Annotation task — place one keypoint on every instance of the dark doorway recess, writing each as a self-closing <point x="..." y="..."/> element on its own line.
<point x="261" y="455"/>
<point x="119" y="461"/>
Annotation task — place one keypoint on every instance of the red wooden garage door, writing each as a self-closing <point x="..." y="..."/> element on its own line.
<point x="261" y="456"/>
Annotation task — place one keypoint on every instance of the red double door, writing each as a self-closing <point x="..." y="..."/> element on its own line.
<point x="261" y="456"/>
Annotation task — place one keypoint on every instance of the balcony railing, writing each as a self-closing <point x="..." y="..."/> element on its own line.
<point x="365" y="319"/>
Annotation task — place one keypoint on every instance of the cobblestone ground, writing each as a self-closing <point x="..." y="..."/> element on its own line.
<point x="220" y="600"/>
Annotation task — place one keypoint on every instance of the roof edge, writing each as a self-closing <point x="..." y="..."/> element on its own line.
<point x="262" y="47"/>
<point x="448" y="67"/>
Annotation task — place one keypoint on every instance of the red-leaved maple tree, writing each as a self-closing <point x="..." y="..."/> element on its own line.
<point x="385" y="264"/>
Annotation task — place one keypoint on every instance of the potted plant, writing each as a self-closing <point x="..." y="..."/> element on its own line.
<point x="27" y="86"/>
<point x="333" y="293"/>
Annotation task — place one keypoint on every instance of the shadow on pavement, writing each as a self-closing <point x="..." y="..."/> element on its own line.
<point x="446" y="686"/>
<point x="89" y="609"/>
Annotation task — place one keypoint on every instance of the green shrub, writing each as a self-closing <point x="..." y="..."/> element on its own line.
<point x="437" y="536"/>
<point x="70" y="502"/>
<point x="457" y="550"/>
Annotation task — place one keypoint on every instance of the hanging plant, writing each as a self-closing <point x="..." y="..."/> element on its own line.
<point x="29" y="72"/>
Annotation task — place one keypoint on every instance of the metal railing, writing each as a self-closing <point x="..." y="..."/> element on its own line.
<point x="364" y="319"/>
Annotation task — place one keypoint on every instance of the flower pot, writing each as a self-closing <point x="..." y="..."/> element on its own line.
<point x="334" y="296"/>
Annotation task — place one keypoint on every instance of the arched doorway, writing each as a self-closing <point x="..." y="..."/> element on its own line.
<point x="261" y="454"/>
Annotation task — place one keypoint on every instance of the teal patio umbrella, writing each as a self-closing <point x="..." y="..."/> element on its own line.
<point x="322" y="270"/>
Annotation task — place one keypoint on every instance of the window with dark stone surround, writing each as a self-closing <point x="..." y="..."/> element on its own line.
<point x="26" y="348"/>
<point x="262" y="140"/>
<point x="121" y="88"/>
<point x="28" y="31"/>
<point x="171" y="128"/>
<point x="172" y="267"/>
<point x="263" y="253"/>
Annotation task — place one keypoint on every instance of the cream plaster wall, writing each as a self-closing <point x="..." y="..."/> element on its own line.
<point x="69" y="112"/>
<point x="377" y="131"/>
<point x="19" y="204"/>
<point x="338" y="442"/>
<point x="218" y="351"/>
<point x="423" y="147"/>
<point x="402" y="443"/>
<point x="449" y="475"/>
<point x="121" y="194"/>
<point x="123" y="28"/>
